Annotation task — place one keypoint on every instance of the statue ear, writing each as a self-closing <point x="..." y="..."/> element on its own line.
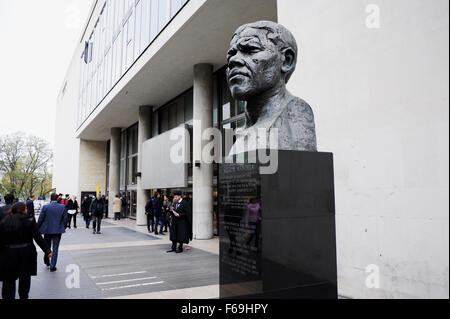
<point x="289" y="60"/>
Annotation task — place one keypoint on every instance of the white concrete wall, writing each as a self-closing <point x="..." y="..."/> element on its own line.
<point x="67" y="146"/>
<point x="380" y="98"/>
<point x="92" y="166"/>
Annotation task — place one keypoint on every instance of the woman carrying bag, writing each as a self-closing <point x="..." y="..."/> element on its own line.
<point x="18" y="256"/>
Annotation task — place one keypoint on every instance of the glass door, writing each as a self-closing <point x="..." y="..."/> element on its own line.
<point x="132" y="204"/>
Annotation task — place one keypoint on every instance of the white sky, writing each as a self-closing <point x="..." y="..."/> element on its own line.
<point x="37" y="42"/>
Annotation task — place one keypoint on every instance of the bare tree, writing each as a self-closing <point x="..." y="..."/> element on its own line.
<point x="24" y="163"/>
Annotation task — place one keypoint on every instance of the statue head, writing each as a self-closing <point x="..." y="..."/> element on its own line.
<point x="262" y="56"/>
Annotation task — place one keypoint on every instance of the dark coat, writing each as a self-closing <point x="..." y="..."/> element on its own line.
<point x="30" y="208"/>
<point x="4" y="210"/>
<point x="53" y="219"/>
<point x="149" y="207"/>
<point x="18" y="256"/>
<point x="85" y="206"/>
<point x="157" y="207"/>
<point x="166" y="210"/>
<point x="181" y="227"/>
<point x="97" y="210"/>
<point x="70" y="205"/>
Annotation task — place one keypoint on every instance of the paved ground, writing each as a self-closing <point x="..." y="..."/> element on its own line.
<point x="127" y="262"/>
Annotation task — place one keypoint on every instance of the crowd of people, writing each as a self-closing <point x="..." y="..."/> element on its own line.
<point x="94" y="209"/>
<point x="19" y="230"/>
<point x="174" y="213"/>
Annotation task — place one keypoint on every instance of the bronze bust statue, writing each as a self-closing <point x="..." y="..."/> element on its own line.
<point x="261" y="59"/>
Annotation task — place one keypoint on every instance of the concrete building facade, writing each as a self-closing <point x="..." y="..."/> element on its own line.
<point x="374" y="72"/>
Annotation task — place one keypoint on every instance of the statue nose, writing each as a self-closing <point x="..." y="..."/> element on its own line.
<point x="236" y="61"/>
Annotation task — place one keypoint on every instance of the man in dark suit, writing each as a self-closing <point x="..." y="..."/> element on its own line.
<point x="97" y="211"/>
<point x="30" y="207"/>
<point x="180" y="229"/>
<point x="157" y="211"/>
<point x="150" y="215"/>
<point x="52" y="224"/>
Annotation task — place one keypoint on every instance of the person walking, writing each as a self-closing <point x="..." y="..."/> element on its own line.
<point x="166" y="209"/>
<point x="76" y="207"/>
<point x="150" y="215"/>
<point x="157" y="211"/>
<point x="72" y="212"/>
<point x="51" y="224"/>
<point x="18" y="256"/>
<point x="85" y="206"/>
<point x="30" y="206"/>
<point x="97" y="211"/>
<point x="124" y="206"/>
<point x="106" y="202"/>
<point x="117" y="207"/>
<point x="181" y="226"/>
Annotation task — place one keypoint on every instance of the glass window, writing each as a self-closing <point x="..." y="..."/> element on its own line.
<point x="163" y="120"/>
<point x="123" y="145"/>
<point x="108" y="152"/>
<point x="145" y="24"/>
<point x="123" y="158"/>
<point x="130" y="4"/>
<point x="118" y="57"/>
<point x="155" y="124"/>
<point x="132" y="170"/>
<point x="123" y="167"/>
<point x="215" y="102"/>
<point x="130" y="42"/>
<point x="133" y="140"/>
<point x="124" y="49"/>
<point x="172" y="115"/>
<point x="154" y="19"/>
<point x="228" y="104"/>
<point x="180" y="111"/>
<point x="132" y="195"/>
<point x="162" y="14"/>
<point x="175" y="6"/>
<point x="189" y="106"/>
<point x="137" y="29"/>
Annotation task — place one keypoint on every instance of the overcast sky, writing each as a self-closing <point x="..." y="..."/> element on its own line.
<point x="38" y="39"/>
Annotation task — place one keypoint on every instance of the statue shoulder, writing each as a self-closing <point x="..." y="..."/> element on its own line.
<point x="296" y="125"/>
<point x="299" y="110"/>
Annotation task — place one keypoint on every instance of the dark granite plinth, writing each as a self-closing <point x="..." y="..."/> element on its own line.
<point x="290" y="251"/>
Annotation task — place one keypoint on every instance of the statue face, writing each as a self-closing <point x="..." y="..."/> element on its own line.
<point x="254" y="64"/>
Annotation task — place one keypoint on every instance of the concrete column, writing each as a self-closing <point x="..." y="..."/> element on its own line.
<point x="203" y="175"/>
<point x="114" y="168"/>
<point x="145" y="131"/>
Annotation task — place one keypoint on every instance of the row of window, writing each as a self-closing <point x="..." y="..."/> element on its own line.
<point x="122" y="32"/>
<point x="129" y="156"/>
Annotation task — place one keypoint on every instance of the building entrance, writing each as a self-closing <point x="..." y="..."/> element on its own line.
<point x="131" y="210"/>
